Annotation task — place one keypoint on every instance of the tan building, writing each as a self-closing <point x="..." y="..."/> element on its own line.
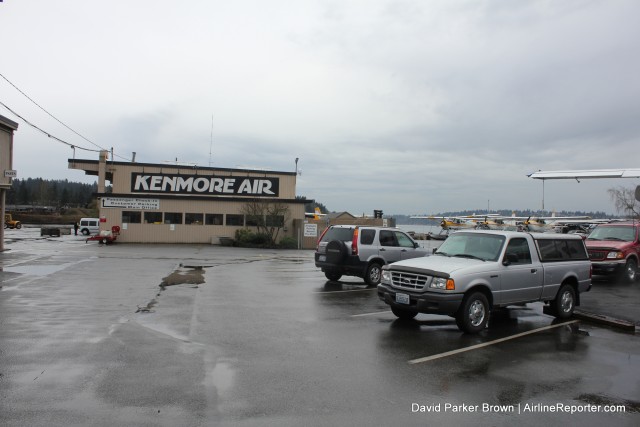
<point x="7" y="128"/>
<point x="159" y="203"/>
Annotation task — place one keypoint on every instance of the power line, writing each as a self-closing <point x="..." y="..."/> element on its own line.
<point x="58" y="120"/>
<point x="74" y="146"/>
<point x="50" y="115"/>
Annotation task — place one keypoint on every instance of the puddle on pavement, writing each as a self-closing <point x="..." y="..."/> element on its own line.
<point x="147" y="308"/>
<point x="41" y="269"/>
<point x="184" y="275"/>
<point x="38" y="270"/>
<point x="222" y="376"/>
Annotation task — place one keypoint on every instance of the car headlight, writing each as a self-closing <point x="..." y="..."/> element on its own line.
<point x="615" y="255"/>
<point x="386" y="276"/>
<point x="442" y="283"/>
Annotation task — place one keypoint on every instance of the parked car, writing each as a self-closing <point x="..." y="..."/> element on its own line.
<point x="89" y="226"/>
<point x="614" y="248"/>
<point x="351" y="250"/>
<point x="474" y="272"/>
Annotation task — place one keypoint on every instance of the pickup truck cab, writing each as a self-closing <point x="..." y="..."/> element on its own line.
<point x="474" y="272"/>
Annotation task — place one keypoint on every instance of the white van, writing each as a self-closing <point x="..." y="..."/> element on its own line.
<point x="89" y="226"/>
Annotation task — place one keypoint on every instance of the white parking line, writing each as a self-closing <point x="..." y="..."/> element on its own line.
<point x="486" y="344"/>
<point x="371" y="314"/>
<point x="350" y="290"/>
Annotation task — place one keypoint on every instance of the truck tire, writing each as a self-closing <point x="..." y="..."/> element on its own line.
<point x="333" y="275"/>
<point x="562" y="307"/>
<point x="473" y="315"/>
<point x="373" y="274"/>
<point x="85" y="231"/>
<point x="403" y="313"/>
<point x="336" y="252"/>
<point x="630" y="271"/>
<point x="18" y="226"/>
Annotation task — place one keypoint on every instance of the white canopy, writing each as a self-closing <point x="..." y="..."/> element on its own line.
<point x="586" y="174"/>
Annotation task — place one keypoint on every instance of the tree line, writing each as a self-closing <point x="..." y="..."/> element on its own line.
<point x="50" y="193"/>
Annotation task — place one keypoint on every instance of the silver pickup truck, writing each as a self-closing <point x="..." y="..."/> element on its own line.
<point x="474" y="272"/>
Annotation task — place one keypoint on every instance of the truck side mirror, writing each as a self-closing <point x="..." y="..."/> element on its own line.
<point x="509" y="258"/>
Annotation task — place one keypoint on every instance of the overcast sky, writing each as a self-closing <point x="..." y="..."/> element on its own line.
<point x="409" y="106"/>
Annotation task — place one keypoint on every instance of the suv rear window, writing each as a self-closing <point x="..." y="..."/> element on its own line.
<point x="338" y="233"/>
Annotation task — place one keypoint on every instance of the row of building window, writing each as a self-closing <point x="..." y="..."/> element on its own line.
<point x="237" y="220"/>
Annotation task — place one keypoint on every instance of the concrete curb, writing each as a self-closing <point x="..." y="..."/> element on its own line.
<point x="601" y="319"/>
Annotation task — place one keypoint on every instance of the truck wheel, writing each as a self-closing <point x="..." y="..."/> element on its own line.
<point x="373" y="274"/>
<point x="630" y="271"/>
<point x="334" y="275"/>
<point x="336" y="251"/>
<point x="85" y="232"/>
<point x="473" y="314"/>
<point x="18" y="226"/>
<point x="403" y="314"/>
<point x="565" y="302"/>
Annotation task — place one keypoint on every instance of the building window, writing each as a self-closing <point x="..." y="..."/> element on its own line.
<point x="153" y="217"/>
<point x="131" y="217"/>
<point x="254" y="220"/>
<point x="275" y="221"/>
<point x="193" y="218"/>
<point x="214" y="219"/>
<point x="233" y="219"/>
<point x="173" y="217"/>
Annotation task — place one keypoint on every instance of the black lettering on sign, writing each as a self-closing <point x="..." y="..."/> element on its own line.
<point x="205" y="185"/>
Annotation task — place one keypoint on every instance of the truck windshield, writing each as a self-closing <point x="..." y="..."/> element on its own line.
<point x="486" y="247"/>
<point x="621" y="233"/>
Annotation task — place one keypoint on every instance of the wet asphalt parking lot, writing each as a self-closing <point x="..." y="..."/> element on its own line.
<point x="198" y="335"/>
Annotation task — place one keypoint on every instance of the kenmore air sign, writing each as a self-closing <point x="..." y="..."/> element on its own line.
<point x="204" y="185"/>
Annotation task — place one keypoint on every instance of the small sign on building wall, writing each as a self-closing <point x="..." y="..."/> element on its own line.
<point x="311" y="230"/>
<point x="130" y="203"/>
<point x="10" y="173"/>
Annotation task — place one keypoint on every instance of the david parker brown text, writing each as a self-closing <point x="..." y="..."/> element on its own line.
<point x="515" y="409"/>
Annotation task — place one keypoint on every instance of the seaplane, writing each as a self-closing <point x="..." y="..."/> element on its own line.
<point x="451" y="222"/>
<point x="316" y="214"/>
<point x="543" y="224"/>
<point x="493" y="223"/>
<point x="501" y="222"/>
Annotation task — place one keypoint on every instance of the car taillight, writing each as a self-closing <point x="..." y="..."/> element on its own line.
<point x="591" y="271"/>
<point x="320" y="239"/>
<point x="354" y="242"/>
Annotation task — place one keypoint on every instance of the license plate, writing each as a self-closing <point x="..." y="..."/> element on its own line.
<point x="322" y="258"/>
<point x="402" y="298"/>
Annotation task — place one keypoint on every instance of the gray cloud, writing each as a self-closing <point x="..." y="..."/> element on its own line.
<point x="404" y="105"/>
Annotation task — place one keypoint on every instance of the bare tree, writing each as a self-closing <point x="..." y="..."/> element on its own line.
<point x="269" y="217"/>
<point x="624" y="200"/>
